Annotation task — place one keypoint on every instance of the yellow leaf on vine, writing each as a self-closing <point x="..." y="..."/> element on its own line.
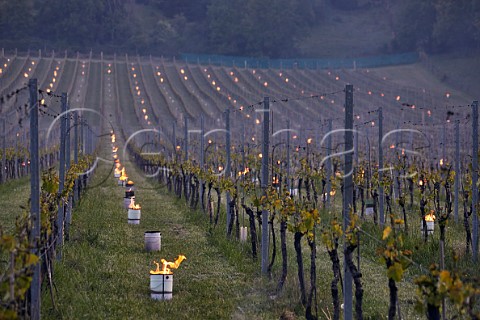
<point x="395" y="272"/>
<point x="386" y="233"/>
<point x="31" y="260"/>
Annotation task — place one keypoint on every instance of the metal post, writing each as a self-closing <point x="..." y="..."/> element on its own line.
<point x="265" y="147"/>
<point x="356" y="145"/>
<point x="474" y="179"/>
<point x="289" y="187"/>
<point x="186" y="138"/>
<point x="227" y="164"/>
<point x="16" y="157"/>
<point x="24" y="143"/>
<point x="4" y="147"/>
<point x="75" y="150"/>
<point x="329" y="162"/>
<point x="202" y="142"/>
<point x="380" y="166"/>
<point x="63" y="129"/>
<point x="68" y="213"/>
<point x="85" y="135"/>
<point x="348" y="195"/>
<point x="82" y="140"/>
<point x="35" y="286"/>
<point x="87" y="140"/>
<point x="67" y="141"/>
<point x="88" y="143"/>
<point x="243" y="148"/>
<point x="457" y="168"/>
<point x="444" y="142"/>
<point x="202" y="151"/>
<point x="174" y="140"/>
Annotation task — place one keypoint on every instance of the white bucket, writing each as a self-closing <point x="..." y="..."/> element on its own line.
<point x="116" y="175"/>
<point x="126" y="201"/>
<point x="153" y="241"/>
<point x="243" y="234"/>
<point x="161" y="286"/>
<point x="430" y="226"/>
<point x="369" y="208"/>
<point x="134" y="216"/>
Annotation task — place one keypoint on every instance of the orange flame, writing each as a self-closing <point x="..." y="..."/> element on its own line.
<point x="124" y="176"/>
<point x="133" y="206"/>
<point x="167" y="265"/>
<point x="113" y="138"/>
<point x="430" y="216"/>
<point x="244" y="172"/>
<point x="114" y="149"/>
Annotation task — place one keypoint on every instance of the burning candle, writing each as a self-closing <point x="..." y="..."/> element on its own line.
<point x="117" y="171"/>
<point x="123" y="178"/>
<point x="134" y="212"/>
<point x="430" y="220"/>
<point x="161" y="281"/>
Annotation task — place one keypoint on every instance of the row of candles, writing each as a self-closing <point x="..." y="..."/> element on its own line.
<point x="161" y="278"/>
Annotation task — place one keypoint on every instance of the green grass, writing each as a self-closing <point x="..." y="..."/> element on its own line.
<point x="460" y="72"/>
<point x="14" y="195"/>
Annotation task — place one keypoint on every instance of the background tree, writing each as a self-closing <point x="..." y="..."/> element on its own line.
<point x="414" y="25"/>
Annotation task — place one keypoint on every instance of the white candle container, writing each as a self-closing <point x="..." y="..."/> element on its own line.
<point x="134" y="216"/>
<point x="430" y="227"/>
<point x="153" y="241"/>
<point x="120" y="182"/>
<point x="116" y="175"/>
<point x="126" y="201"/>
<point x="243" y="234"/>
<point x="369" y="209"/>
<point x="161" y="286"/>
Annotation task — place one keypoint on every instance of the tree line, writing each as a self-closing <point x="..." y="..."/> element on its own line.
<point x="262" y="28"/>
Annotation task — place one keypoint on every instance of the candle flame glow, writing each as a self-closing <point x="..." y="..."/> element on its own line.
<point x="430" y="216"/>
<point x="132" y="205"/>
<point x="124" y="176"/>
<point x="166" y="265"/>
